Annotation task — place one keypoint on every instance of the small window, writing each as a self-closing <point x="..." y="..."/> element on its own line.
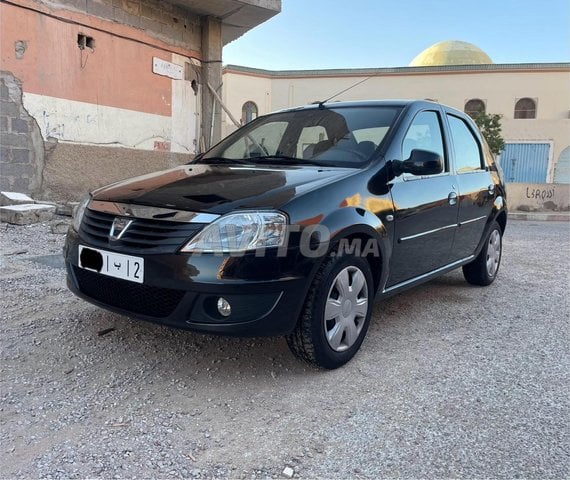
<point x="248" y="112"/>
<point x="474" y="107"/>
<point x="466" y="147"/>
<point x="525" y="108"/>
<point x="424" y="134"/>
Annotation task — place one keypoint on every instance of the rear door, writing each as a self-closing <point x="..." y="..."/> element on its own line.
<point x="425" y="206"/>
<point x="475" y="186"/>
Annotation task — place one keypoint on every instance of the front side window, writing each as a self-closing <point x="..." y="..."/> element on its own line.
<point x="248" y="112"/>
<point x="329" y="136"/>
<point x="466" y="146"/>
<point x="525" y="108"/>
<point x="474" y="107"/>
<point x="424" y="134"/>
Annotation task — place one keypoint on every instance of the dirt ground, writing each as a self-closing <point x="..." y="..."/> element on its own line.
<point x="452" y="381"/>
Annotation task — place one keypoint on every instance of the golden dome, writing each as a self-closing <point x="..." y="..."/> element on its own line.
<point x="451" y="52"/>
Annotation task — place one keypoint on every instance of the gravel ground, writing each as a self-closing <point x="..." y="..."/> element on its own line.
<point x="452" y="381"/>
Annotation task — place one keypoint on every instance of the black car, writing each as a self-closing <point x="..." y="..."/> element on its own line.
<point x="294" y="225"/>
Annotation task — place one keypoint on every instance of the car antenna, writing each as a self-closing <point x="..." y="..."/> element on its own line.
<point x="321" y="104"/>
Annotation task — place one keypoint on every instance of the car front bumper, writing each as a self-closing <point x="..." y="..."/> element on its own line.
<point x="181" y="290"/>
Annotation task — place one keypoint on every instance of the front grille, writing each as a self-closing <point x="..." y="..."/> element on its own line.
<point x="133" y="297"/>
<point x="143" y="235"/>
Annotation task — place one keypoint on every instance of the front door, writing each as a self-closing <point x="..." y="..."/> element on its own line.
<point x="425" y="207"/>
<point x="475" y="187"/>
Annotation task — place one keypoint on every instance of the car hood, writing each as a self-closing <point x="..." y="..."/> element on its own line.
<point x="220" y="189"/>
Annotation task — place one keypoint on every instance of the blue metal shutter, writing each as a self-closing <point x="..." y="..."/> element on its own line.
<point x="525" y="162"/>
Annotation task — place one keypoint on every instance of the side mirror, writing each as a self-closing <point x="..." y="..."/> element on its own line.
<point x="421" y="162"/>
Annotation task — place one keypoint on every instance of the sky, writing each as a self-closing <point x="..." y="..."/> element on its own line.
<point x="314" y="34"/>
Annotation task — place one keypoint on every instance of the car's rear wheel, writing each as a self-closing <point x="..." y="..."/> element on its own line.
<point x="483" y="270"/>
<point x="336" y="313"/>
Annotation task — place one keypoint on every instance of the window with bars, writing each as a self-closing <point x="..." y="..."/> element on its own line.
<point x="525" y="108"/>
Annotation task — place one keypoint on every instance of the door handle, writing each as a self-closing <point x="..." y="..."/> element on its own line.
<point x="491" y="189"/>
<point x="452" y="198"/>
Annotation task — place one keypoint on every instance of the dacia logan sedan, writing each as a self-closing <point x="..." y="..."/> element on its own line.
<point x="295" y="224"/>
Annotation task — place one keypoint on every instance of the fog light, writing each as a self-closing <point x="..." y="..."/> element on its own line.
<point x="224" y="307"/>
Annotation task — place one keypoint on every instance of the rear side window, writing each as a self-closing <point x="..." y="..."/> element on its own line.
<point x="424" y="134"/>
<point x="466" y="146"/>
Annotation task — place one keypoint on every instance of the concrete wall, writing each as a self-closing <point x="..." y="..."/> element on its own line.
<point x="538" y="197"/>
<point x="70" y="171"/>
<point x="498" y="89"/>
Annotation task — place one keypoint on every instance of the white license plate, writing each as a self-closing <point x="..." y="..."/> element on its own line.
<point x="112" y="264"/>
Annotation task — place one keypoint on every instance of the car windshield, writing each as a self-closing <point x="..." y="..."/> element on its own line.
<point x="337" y="137"/>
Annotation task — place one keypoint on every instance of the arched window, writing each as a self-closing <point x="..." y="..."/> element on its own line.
<point x="474" y="107"/>
<point x="525" y="108"/>
<point x="248" y="112"/>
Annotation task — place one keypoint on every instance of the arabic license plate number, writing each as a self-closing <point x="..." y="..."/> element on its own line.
<point x="125" y="267"/>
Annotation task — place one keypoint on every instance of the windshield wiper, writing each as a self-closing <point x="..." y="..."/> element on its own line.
<point x="222" y="160"/>
<point x="284" y="160"/>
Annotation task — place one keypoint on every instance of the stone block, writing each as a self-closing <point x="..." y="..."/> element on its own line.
<point x="77" y="4"/>
<point x="5" y="154"/>
<point x="20" y="155"/>
<point x="14" y="198"/>
<point x="26" y="214"/>
<point x="9" y="109"/>
<point x="3" y="124"/>
<point x="4" y="92"/>
<point x="59" y="227"/>
<point x="100" y="9"/>
<point x="14" y="140"/>
<point x="126" y="18"/>
<point x="66" y="209"/>
<point x="19" y="125"/>
<point x="132" y="6"/>
<point x="150" y="11"/>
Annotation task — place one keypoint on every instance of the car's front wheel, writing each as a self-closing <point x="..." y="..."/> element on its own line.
<point x="336" y="313"/>
<point x="483" y="270"/>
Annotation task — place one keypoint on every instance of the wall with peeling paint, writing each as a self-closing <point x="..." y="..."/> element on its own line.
<point x="108" y="96"/>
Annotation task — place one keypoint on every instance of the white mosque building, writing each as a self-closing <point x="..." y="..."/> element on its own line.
<point x="532" y="98"/>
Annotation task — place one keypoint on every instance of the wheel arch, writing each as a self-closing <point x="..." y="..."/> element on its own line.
<point x="356" y="223"/>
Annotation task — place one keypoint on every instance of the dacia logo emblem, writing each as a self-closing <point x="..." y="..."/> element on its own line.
<point x="119" y="227"/>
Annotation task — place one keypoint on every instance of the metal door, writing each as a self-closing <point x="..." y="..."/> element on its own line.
<point x="525" y="162"/>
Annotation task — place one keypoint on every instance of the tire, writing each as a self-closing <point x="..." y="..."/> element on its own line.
<point x="483" y="270"/>
<point x="330" y="343"/>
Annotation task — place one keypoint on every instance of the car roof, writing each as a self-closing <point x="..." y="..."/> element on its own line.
<point x="362" y="103"/>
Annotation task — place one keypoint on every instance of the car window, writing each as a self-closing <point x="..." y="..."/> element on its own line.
<point x="310" y="136"/>
<point x="424" y="134"/>
<point x="328" y="136"/>
<point x="262" y="141"/>
<point x="466" y="147"/>
<point x="374" y="135"/>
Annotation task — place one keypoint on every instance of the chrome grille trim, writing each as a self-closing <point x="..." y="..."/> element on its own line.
<point x="151" y="213"/>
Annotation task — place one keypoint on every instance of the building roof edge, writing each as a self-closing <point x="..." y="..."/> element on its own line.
<point x="495" y="67"/>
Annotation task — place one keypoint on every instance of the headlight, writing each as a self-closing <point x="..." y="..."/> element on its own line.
<point x="239" y="232"/>
<point x="80" y="211"/>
